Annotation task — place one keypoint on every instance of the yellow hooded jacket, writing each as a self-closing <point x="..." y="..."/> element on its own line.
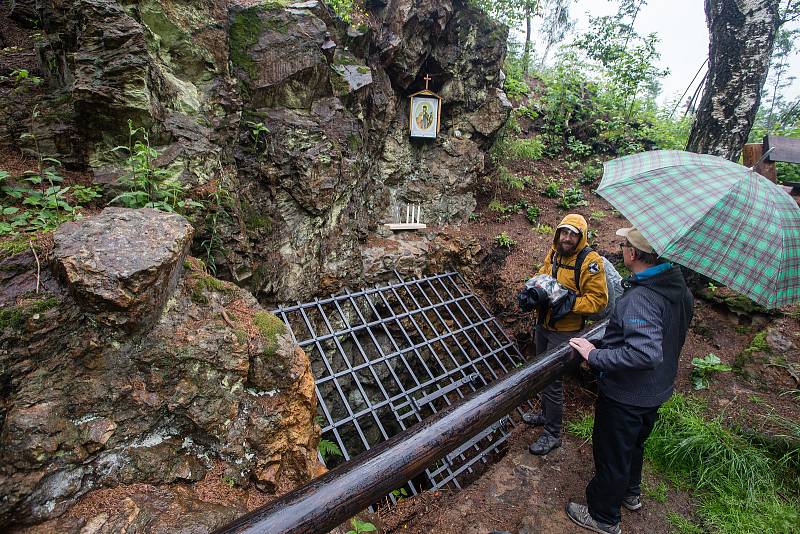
<point x="592" y="296"/>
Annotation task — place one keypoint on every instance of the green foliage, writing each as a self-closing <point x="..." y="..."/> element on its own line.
<point x="342" y="8"/>
<point x="658" y="492"/>
<point x="37" y="200"/>
<point x="703" y="368"/>
<point x="552" y="189"/>
<point x="527" y="149"/>
<point x="361" y="526"/>
<point x="22" y="80"/>
<point x="328" y="449"/>
<point x="571" y="197"/>
<point x="578" y="147"/>
<point x="683" y="525"/>
<point x="597" y="215"/>
<point x="590" y="174"/>
<point x="258" y="134"/>
<point x="582" y="427"/>
<point x="217" y="214"/>
<point x="504" y="241"/>
<point x="543" y="229"/>
<point x="149" y="186"/>
<point x="740" y="484"/>
<point x="511" y="180"/>
<point x="270" y="327"/>
<point x="400" y="493"/>
<point x="532" y="214"/>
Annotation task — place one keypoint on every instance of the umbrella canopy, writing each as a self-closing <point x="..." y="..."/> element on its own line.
<point x="713" y="216"/>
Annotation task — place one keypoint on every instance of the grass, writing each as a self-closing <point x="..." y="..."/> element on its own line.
<point x="683" y="525"/>
<point x="742" y="486"/>
<point x="582" y="427"/>
<point x="657" y="493"/>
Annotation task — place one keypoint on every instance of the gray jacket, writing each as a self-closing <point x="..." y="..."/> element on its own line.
<point x="638" y="357"/>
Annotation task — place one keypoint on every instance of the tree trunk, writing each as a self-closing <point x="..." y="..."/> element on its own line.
<point x="526" y="55"/>
<point x="742" y="33"/>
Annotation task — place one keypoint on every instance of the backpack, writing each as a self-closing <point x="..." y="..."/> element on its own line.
<point x="613" y="281"/>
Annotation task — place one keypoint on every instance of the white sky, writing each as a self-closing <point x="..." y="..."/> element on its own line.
<point x="681" y="27"/>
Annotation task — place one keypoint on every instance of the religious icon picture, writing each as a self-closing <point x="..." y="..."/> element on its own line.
<point x="424" y="114"/>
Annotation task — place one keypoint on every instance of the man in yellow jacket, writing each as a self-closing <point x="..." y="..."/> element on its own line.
<point x="589" y="294"/>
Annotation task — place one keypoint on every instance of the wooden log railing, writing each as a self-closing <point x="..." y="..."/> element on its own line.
<point x="331" y="499"/>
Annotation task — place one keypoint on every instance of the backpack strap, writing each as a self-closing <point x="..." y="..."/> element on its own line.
<point x="578" y="264"/>
<point x="577" y="267"/>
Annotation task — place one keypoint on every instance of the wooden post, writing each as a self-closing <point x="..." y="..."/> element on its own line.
<point x="751" y="153"/>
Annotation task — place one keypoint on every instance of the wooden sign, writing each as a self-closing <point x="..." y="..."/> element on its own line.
<point x="425" y="112"/>
<point x="783" y="148"/>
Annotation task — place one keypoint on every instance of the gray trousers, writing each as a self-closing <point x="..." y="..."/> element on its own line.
<point x="552" y="396"/>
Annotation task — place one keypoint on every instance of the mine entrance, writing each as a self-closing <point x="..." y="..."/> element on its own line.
<point x="387" y="357"/>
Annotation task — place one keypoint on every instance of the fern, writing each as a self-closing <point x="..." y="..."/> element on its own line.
<point x="327" y="448"/>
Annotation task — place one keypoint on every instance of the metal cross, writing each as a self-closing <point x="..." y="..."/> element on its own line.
<point x="427" y="78"/>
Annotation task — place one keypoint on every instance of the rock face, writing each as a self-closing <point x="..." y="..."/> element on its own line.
<point x="209" y="387"/>
<point x="296" y="123"/>
<point x="123" y="264"/>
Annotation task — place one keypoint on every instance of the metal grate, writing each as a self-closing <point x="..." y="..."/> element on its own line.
<point x="387" y="357"/>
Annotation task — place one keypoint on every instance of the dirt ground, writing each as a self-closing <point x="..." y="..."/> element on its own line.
<point x="523" y="493"/>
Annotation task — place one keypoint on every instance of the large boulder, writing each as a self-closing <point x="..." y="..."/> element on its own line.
<point x="208" y="391"/>
<point x="123" y="264"/>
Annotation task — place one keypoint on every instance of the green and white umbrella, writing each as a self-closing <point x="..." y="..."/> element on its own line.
<point x="713" y="216"/>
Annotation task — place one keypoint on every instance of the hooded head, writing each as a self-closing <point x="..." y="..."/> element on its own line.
<point x="570" y="235"/>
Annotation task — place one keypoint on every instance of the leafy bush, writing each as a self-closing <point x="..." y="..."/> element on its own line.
<point x="552" y="189"/>
<point x="590" y="174"/>
<point x="571" y="198"/>
<point x="149" y="186"/>
<point x="532" y="214"/>
<point x="504" y="241"/>
<point x="702" y="368"/>
<point x="529" y="149"/>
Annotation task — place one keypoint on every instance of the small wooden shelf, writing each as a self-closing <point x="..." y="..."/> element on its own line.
<point x="405" y="226"/>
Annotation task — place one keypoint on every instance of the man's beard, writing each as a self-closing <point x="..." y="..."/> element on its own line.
<point x="566" y="250"/>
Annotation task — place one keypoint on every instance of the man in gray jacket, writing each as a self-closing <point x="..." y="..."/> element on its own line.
<point x="636" y="363"/>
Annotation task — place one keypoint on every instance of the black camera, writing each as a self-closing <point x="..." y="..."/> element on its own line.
<point x="531" y="298"/>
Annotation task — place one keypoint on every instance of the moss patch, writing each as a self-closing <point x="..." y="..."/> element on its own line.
<point x="246" y="27"/>
<point x="270" y="327"/>
<point x="16" y="316"/>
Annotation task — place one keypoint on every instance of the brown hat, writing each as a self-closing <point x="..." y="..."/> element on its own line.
<point x="636" y="239"/>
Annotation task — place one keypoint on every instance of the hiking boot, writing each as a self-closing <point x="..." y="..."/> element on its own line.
<point x="544" y="444"/>
<point x="632" y="502"/>
<point x="579" y="514"/>
<point x="533" y="418"/>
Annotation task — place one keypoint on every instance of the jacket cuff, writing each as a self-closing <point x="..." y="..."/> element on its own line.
<point x="593" y="361"/>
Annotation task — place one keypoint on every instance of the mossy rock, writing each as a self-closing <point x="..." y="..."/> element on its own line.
<point x="270" y="327"/>
<point x="15" y="317"/>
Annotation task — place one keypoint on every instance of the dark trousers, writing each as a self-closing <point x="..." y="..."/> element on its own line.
<point x="552" y="396"/>
<point x="618" y="440"/>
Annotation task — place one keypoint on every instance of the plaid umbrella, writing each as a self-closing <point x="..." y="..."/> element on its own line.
<point x="713" y="216"/>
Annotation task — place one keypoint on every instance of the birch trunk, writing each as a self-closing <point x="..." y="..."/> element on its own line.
<point x="742" y="33"/>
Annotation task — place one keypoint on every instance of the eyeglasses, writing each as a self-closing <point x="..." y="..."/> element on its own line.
<point x="625" y="245"/>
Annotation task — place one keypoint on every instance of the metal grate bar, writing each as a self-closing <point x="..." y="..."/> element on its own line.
<point x="386" y="357"/>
